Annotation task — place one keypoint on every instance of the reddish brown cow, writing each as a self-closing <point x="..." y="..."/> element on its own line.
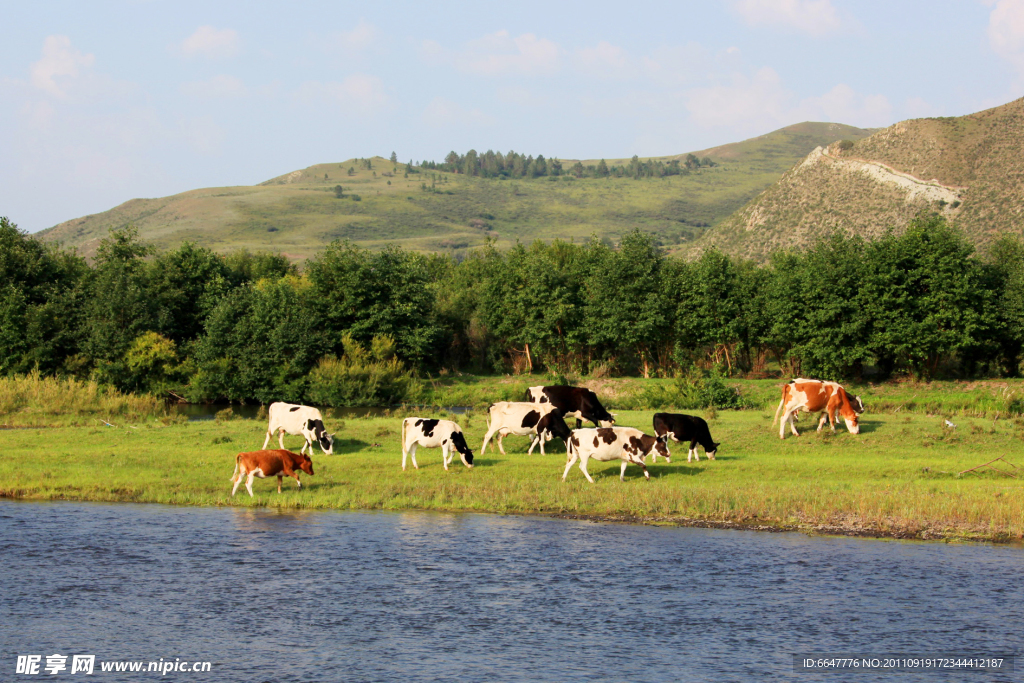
<point x="264" y="464"/>
<point x="815" y="396"/>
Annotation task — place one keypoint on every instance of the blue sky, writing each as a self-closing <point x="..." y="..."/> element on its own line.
<point x="103" y="102"/>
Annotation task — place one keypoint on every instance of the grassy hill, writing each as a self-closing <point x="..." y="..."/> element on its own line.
<point x="298" y="213"/>
<point x="971" y="168"/>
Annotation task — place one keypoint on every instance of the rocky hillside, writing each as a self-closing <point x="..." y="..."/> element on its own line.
<point x="971" y="168"/>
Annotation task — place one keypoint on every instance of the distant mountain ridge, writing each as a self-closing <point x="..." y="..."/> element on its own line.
<point x="969" y="168"/>
<point x="298" y="213"/>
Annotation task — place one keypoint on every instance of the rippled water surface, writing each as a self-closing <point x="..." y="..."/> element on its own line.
<point x="360" y="596"/>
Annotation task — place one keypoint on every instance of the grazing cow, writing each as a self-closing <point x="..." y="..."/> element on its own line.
<point x="573" y="402"/>
<point x="421" y="431"/>
<point x="518" y="419"/>
<point x="295" y="420"/>
<point x="552" y="425"/>
<point x="264" y="464"/>
<point x="614" y="443"/>
<point x="814" y="396"/>
<point x="686" y="428"/>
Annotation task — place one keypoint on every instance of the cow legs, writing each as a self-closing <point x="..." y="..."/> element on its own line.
<point x="240" y="472"/>
<point x="825" y="416"/>
<point x="622" y="471"/>
<point x="583" y="468"/>
<point x="280" y="480"/>
<point x="568" y="465"/>
<point x="487" y="437"/>
<point x="788" y="417"/>
<point x="533" y="444"/>
<point x="501" y="448"/>
<point x="267" y="440"/>
<point x="248" y="482"/>
<point x="444" y="456"/>
<point x="412" y="454"/>
<point x="280" y="438"/>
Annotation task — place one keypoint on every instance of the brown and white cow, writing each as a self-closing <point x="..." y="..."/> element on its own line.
<point x="614" y="443"/>
<point x="814" y="396"/>
<point x="518" y="419"/>
<point x="264" y="464"/>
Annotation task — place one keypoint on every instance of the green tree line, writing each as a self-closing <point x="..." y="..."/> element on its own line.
<point x="253" y="326"/>
<point x="491" y="164"/>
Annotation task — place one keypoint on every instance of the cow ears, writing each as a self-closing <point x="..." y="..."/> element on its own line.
<point x="664" y="438"/>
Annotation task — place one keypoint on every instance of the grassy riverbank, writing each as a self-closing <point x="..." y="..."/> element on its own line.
<point x="897" y="478"/>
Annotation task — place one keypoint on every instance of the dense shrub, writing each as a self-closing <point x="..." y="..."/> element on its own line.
<point x="362" y="377"/>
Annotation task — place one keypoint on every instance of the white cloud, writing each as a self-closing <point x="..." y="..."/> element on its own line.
<point x="203" y="135"/>
<point x="498" y="54"/>
<point x="360" y="92"/>
<point x="918" y="108"/>
<point x="211" y="43"/>
<point x="59" y="61"/>
<point x="222" y="86"/>
<point x="761" y="102"/>
<point x="842" y="104"/>
<point x="604" y="59"/>
<point x="1006" y="32"/>
<point x="358" y="39"/>
<point x="441" y="113"/>
<point x="809" y="16"/>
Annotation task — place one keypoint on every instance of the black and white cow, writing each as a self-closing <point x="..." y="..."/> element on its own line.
<point x="552" y="425"/>
<point x="686" y="428"/>
<point x="517" y="419"/>
<point x="431" y="433"/>
<point x="575" y="402"/>
<point x="614" y="443"/>
<point x="289" y="418"/>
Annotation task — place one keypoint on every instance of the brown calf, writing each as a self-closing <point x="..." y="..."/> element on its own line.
<point x="815" y="396"/>
<point x="267" y="464"/>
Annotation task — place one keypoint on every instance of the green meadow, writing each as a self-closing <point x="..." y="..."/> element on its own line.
<point x="901" y="477"/>
<point x="298" y="213"/>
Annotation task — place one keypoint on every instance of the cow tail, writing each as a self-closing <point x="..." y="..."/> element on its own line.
<point x="238" y="465"/>
<point x="405" y="421"/>
<point x="782" y="402"/>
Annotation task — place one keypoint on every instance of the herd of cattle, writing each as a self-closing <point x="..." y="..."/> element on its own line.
<point x="541" y="417"/>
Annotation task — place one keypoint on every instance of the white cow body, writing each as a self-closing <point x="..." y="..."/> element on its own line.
<point x="432" y="433"/>
<point x="290" y="418"/>
<point x="613" y="443"/>
<point x="517" y="419"/>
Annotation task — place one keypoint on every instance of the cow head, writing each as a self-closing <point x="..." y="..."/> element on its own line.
<point x="459" y="441"/>
<point x="661" y="447"/>
<point x="326" y="442"/>
<point x="851" y="423"/>
<point x="306" y="465"/>
<point x="714" y="449"/>
<point x="853" y="417"/>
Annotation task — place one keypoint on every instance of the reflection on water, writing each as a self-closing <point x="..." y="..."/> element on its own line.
<point x="312" y="596"/>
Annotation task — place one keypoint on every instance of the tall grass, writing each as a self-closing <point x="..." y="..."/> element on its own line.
<point x="32" y="401"/>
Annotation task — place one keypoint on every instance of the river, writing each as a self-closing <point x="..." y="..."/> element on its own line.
<point x="268" y="595"/>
